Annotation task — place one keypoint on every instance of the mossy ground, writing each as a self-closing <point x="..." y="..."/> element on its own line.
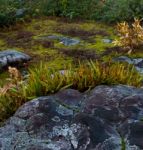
<point x="24" y="37"/>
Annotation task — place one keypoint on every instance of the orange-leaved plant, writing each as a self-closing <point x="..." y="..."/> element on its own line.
<point x="131" y="37"/>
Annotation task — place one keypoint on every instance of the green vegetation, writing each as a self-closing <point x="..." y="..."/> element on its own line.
<point x="43" y="80"/>
<point x="123" y="144"/>
<point x="107" y="10"/>
<point x="26" y="37"/>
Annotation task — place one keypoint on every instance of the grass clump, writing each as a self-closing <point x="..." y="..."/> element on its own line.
<point x="43" y="80"/>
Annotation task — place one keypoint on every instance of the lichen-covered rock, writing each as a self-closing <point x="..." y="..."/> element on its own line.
<point x="8" y="57"/>
<point x="69" y="120"/>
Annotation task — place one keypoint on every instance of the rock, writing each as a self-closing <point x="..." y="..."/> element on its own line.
<point x="67" y="41"/>
<point x="107" y="41"/>
<point x="9" y="57"/>
<point x="136" y="133"/>
<point x="71" y="120"/>
<point x="110" y="144"/>
<point x="137" y="62"/>
<point x="124" y="59"/>
<point x="21" y="12"/>
<point x="71" y="98"/>
<point x="97" y="131"/>
<point x="106" y="96"/>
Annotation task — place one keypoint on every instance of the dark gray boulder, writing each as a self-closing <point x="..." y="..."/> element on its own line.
<point x="8" y="57"/>
<point x="69" y="120"/>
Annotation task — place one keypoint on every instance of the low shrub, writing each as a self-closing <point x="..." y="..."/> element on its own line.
<point x="6" y="13"/>
<point x="110" y="11"/>
<point x="103" y="10"/>
<point x="131" y="37"/>
<point x="119" y="10"/>
<point x="12" y="11"/>
<point x="43" y="81"/>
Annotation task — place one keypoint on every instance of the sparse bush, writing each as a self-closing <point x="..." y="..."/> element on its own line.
<point x="43" y="81"/>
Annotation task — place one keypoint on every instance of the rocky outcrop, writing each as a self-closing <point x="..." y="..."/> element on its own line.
<point x="106" y="118"/>
<point x="14" y="57"/>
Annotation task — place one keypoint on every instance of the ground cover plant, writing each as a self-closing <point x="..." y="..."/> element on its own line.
<point x="27" y="38"/>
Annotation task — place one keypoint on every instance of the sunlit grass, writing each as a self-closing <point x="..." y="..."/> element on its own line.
<point x="43" y="81"/>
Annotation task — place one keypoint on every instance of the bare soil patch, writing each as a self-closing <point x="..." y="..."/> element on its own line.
<point x="77" y="32"/>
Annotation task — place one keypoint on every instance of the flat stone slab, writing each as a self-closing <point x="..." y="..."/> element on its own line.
<point x="8" y="57"/>
<point x="67" y="41"/>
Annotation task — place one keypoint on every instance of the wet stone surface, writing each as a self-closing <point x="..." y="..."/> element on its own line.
<point x="70" y="120"/>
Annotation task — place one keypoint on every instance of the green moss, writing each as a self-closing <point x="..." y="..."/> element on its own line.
<point x="2" y="42"/>
<point x="53" y="54"/>
<point x="3" y="76"/>
<point x="41" y="26"/>
<point x="89" y="25"/>
<point x="99" y="45"/>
